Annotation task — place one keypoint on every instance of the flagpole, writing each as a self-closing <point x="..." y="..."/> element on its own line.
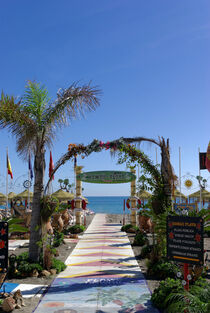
<point x="180" y="188"/>
<point x="7" y="207"/>
<point x="156" y="155"/>
<point x="199" y="175"/>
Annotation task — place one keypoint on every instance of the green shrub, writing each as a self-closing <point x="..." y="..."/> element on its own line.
<point x="22" y="257"/>
<point x="26" y="267"/>
<point x="162" y="269"/>
<point x="197" y="299"/>
<point x="58" y="265"/>
<point x="165" y="288"/>
<point x="140" y="239"/>
<point x="58" y="239"/>
<point x="129" y="228"/>
<point x="76" y="229"/>
<point x="145" y="251"/>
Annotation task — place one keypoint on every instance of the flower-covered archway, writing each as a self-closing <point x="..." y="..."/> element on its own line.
<point x="125" y="147"/>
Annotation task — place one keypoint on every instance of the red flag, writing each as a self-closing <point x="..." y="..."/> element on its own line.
<point x="51" y="166"/>
<point x="208" y="158"/>
<point x="9" y="168"/>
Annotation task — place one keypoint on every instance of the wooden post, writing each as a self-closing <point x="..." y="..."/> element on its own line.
<point x="186" y="272"/>
<point x="78" y="200"/>
<point x="124" y="212"/>
<point x="133" y="200"/>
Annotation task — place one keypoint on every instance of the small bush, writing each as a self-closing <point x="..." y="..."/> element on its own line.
<point x="140" y="239"/>
<point x="26" y="268"/>
<point x="76" y="229"/>
<point x="129" y="228"/>
<point x="197" y="299"/>
<point x="165" y="288"/>
<point x="58" y="265"/>
<point x="22" y="257"/>
<point x="58" y="239"/>
<point x="126" y="227"/>
<point x="145" y="251"/>
<point x="162" y="269"/>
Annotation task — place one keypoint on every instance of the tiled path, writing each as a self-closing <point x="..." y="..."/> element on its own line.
<point x="102" y="276"/>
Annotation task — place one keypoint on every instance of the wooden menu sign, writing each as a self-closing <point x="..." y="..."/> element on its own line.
<point x="3" y="246"/>
<point x="185" y="239"/>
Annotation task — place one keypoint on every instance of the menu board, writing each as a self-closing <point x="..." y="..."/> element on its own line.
<point x="185" y="239"/>
<point x="3" y="246"/>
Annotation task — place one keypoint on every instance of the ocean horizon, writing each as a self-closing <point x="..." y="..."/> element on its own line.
<point x="107" y="204"/>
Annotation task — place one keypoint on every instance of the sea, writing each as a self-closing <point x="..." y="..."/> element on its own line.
<point x="108" y="204"/>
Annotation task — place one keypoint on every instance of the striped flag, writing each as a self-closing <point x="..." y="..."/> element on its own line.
<point x="51" y="166"/>
<point x="9" y="168"/>
<point x="30" y="167"/>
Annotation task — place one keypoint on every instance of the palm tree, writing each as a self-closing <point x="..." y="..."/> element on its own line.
<point x="34" y="120"/>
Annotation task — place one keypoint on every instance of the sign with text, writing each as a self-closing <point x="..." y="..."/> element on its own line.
<point x="106" y="177"/>
<point x="3" y="246"/>
<point x="185" y="239"/>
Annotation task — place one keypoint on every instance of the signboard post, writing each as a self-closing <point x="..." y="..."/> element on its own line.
<point x="185" y="241"/>
<point x="3" y="250"/>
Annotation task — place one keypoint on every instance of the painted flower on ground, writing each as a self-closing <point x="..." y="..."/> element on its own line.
<point x="53" y="304"/>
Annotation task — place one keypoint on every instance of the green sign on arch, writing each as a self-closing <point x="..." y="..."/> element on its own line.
<point x="106" y="177"/>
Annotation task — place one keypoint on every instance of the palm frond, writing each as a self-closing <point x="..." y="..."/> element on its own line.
<point x="186" y="301"/>
<point x="138" y="140"/>
<point x="71" y="103"/>
<point x="12" y="116"/>
<point x="35" y="101"/>
<point x="17" y="121"/>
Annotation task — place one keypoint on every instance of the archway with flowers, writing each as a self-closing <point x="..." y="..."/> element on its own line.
<point x="128" y="152"/>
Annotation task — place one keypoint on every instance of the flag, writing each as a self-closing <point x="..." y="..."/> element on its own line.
<point x="202" y="160"/>
<point x="51" y="166"/>
<point x="9" y="168"/>
<point x="208" y="158"/>
<point x="30" y="167"/>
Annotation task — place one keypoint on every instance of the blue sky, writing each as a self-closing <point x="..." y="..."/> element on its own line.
<point x="150" y="59"/>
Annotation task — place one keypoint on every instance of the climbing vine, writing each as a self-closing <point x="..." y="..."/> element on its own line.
<point x="128" y="153"/>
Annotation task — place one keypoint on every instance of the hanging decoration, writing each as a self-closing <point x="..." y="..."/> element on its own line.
<point x="188" y="183"/>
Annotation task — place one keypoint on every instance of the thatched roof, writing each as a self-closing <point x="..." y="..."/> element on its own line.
<point x="177" y="194"/>
<point x="24" y="195"/>
<point x="63" y="195"/>
<point x="144" y="194"/>
<point x="11" y="195"/>
<point x="204" y="193"/>
<point x="2" y="196"/>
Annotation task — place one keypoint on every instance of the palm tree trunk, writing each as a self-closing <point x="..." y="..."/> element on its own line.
<point x="36" y="231"/>
<point x="166" y="170"/>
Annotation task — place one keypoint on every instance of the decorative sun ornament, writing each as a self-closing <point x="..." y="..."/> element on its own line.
<point x="188" y="183"/>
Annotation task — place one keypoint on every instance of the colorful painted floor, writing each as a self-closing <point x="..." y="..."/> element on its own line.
<point x="102" y="276"/>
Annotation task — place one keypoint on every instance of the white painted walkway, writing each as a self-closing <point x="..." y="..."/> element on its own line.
<point x="102" y="276"/>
